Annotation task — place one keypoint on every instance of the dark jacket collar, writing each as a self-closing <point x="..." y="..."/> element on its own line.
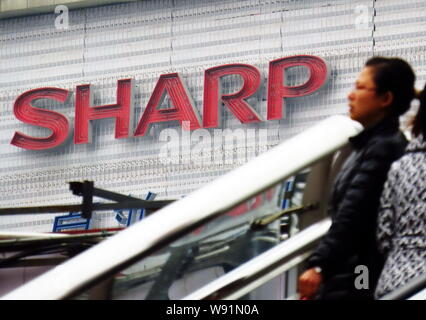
<point x="389" y="124"/>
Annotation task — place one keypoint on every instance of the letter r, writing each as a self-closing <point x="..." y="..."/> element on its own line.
<point x="235" y="102"/>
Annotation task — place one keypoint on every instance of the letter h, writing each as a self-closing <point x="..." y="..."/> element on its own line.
<point x="84" y="112"/>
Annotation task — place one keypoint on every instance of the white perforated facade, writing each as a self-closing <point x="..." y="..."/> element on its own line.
<point x="144" y="39"/>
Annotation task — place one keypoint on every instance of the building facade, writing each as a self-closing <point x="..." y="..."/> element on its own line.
<point x="71" y="47"/>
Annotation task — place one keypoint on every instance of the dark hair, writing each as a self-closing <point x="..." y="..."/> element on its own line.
<point x="397" y="76"/>
<point x="420" y="119"/>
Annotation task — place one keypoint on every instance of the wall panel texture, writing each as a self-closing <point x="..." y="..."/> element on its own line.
<point x="144" y="39"/>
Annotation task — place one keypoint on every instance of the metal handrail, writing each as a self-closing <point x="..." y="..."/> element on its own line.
<point x="410" y="289"/>
<point x="421" y="295"/>
<point x="264" y="267"/>
<point x="187" y="214"/>
<point x="264" y="221"/>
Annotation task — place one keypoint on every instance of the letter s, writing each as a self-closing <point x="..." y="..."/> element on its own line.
<point x="54" y="121"/>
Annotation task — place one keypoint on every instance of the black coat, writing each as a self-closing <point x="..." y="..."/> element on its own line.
<point x="353" y="208"/>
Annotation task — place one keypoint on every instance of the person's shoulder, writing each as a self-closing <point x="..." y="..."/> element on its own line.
<point x="408" y="162"/>
<point x="397" y="166"/>
<point x="392" y="138"/>
<point x="387" y="145"/>
<point x="411" y="159"/>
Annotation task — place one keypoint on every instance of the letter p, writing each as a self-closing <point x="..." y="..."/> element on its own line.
<point x="277" y="90"/>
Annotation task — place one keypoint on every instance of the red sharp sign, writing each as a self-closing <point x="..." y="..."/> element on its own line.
<point x="183" y="106"/>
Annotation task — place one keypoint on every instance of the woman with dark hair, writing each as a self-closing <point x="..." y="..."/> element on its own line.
<point x="383" y="91"/>
<point x="401" y="233"/>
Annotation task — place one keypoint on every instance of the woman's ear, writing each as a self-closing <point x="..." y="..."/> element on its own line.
<point x="387" y="99"/>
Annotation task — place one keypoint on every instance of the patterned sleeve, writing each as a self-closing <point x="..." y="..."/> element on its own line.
<point x="386" y="214"/>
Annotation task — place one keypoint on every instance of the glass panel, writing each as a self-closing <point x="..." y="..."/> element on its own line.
<point x="282" y="287"/>
<point x="205" y="254"/>
<point x="215" y="248"/>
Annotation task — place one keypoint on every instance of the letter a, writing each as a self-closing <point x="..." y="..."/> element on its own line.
<point x="361" y="282"/>
<point x="179" y="96"/>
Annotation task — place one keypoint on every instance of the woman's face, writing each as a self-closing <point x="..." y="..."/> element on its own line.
<point x="365" y="105"/>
